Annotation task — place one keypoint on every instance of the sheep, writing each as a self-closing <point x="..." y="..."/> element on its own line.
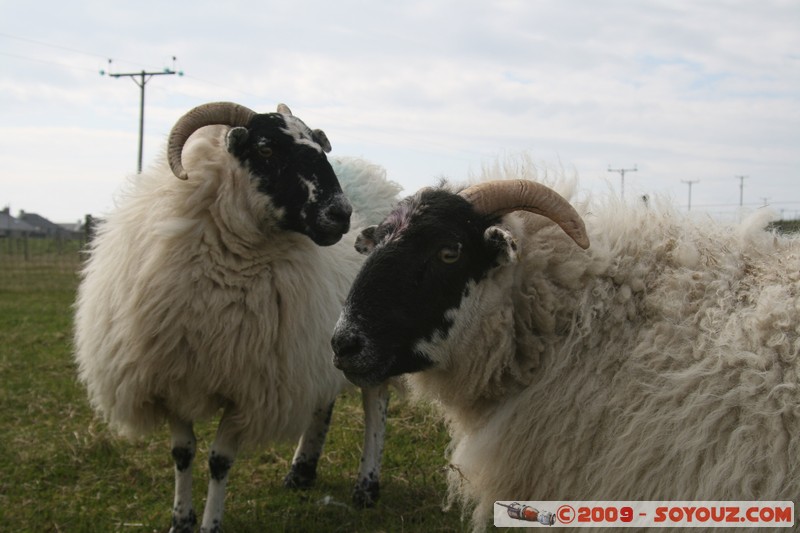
<point x="659" y="364"/>
<point x="220" y="290"/>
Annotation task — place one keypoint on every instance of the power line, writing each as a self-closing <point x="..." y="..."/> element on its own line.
<point x="46" y="61"/>
<point x="751" y="204"/>
<point x="104" y="58"/>
<point x="622" y="172"/>
<point x="58" y="46"/>
<point x="741" y="189"/>
<point x="143" y="78"/>
<point x="690" y="183"/>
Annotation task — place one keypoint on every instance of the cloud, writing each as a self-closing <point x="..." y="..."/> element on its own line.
<point x="695" y="90"/>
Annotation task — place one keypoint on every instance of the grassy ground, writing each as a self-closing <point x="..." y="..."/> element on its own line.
<point x="63" y="471"/>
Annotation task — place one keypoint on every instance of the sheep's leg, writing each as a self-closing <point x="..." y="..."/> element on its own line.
<point x="304" y="464"/>
<point x="376" y="403"/>
<point x="184" y="446"/>
<point x="223" y="453"/>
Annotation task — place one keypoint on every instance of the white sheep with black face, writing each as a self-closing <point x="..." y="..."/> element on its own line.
<point x="220" y="291"/>
<point x="662" y="363"/>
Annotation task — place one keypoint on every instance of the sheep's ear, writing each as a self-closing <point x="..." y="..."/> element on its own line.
<point x="235" y="138"/>
<point x="365" y="242"/>
<point x="321" y="139"/>
<point x="501" y="241"/>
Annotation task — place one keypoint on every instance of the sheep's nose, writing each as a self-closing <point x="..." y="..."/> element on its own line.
<point x="347" y="345"/>
<point x="333" y="222"/>
<point x="338" y="213"/>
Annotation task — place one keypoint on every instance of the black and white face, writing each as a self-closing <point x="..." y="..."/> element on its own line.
<point x="425" y="261"/>
<point x="288" y="160"/>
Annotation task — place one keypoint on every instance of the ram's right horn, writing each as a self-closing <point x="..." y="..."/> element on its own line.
<point x="226" y="113"/>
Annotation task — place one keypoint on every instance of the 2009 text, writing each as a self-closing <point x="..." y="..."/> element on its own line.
<point x="646" y="513"/>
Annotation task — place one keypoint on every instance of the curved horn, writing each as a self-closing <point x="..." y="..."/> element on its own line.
<point x="501" y="197"/>
<point x="226" y="113"/>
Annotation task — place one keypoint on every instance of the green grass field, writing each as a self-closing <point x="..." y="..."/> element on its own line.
<point x="63" y="471"/>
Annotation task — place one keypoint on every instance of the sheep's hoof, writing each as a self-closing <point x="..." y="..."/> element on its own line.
<point x="301" y="476"/>
<point x="366" y="493"/>
<point x="184" y="524"/>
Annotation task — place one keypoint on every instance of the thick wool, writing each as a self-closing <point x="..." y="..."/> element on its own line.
<point x="660" y="364"/>
<point x="367" y="188"/>
<point x="193" y="299"/>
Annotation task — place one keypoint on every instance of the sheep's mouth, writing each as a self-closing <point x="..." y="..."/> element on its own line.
<point x="364" y="379"/>
<point x="328" y="238"/>
<point x="361" y="372"/>
<point x="327" y="232"/>
<point x="328" y="226"/>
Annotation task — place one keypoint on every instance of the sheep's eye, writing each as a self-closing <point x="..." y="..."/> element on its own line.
<point x="450" y="255"/>
<point x="265" y="151"/>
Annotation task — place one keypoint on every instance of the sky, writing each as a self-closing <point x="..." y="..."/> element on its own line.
<point x="695" y="91"/>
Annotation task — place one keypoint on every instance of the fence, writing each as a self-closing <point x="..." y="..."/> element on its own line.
<point x="54" y="261"/>
<point x="45" y="262"/>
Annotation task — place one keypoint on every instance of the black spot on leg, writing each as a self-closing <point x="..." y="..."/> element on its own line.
<point x="303" y="474"/>
<point x="328" y="413"/>
<point x="216" y="527"/>
<point x="367" y="491"/>
<point x="219" y="465"/>
<point x="184" y="524"/>
<point x="183" y="457"/>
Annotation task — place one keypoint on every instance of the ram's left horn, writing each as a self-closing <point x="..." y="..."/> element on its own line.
<point x="500" y="197"/>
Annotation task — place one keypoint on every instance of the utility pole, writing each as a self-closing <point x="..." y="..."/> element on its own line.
<point x="690" y="183"/>
<point x="622" y="172"/>
<point x="741" y="189"/>
<point x="141" y="79"/>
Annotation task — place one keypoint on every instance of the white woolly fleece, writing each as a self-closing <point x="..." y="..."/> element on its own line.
<point x="660" y="364"/>
<point x="192" y="300"/>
